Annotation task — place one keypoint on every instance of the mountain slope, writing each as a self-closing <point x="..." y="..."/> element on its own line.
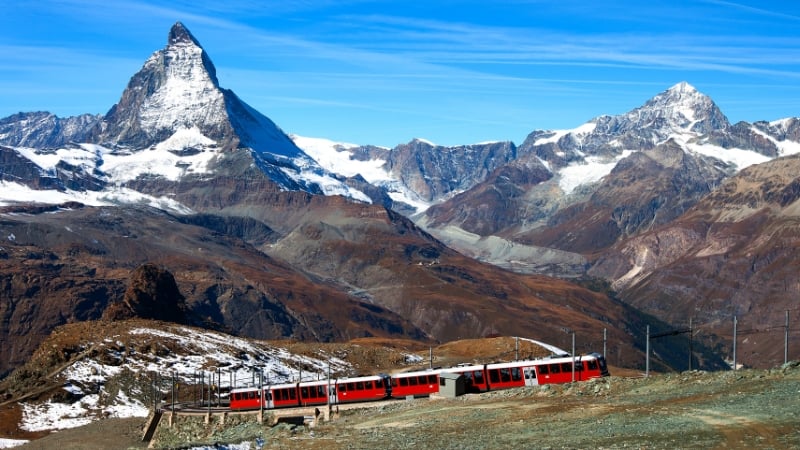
<point x="61" y="265"/>
<point x="734" y="253"/>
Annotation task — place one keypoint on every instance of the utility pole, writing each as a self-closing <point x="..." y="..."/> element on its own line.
<point x="605" y="341"/>
<point x="786" y="340"/>
<point x="173" y="392"/>
<point x="735" y="322"/>
<point x="690" y="343"/>
<point x="647" y="354"/>
<point x="261" y="396"/>
<point x="573" y="356"/>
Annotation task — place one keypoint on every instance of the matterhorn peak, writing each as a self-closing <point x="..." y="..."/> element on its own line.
<point x="180" y="34"/>
<point x="177" y="90"/>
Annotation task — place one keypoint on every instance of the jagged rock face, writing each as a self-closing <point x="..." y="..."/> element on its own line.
<point x="743" y="135"/>
<point x="497" y="204"/>
<point x="16" y="168"/>
<point x="152" y="294"/>
<point x="44" y="130"/>
<point x="679" y="109"/>
<point x="434" y="172"/>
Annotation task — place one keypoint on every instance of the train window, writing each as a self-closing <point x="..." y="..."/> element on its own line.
<point x="412" y="381"/>
<point x="515" y="374"/>
<point x="566" y="367"/>
<point x="292" y="394"/>
<point x="320" y="391"/>
<point x="441" y="381"/>
<point x="578" y="366"/>
<point x="251" y="394"/>
<point x="494" y="376"/>
<point x="359" y="385"/>
<point x="284" y="394"/>
<point x="368" y="385"/>
<point x="304" y="392"/>
<point x="478" y="377"/>
<point x="403" y="381"/>
<point x="394" y="382"/>
<point x="592" y="363"/>
<point x="555" y="368"/>
<point x="432" y="379"/>
<point x="343" y="387"/>
<point x="422" y="379"/>
<point x="543" y="370"/>
<point x="236" y="396"/>
<point x="378" y="383"/>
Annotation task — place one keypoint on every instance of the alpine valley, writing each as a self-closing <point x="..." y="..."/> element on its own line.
<point x="184" y="204"/>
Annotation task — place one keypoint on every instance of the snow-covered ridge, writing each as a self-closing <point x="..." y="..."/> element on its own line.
<point x="337" y="157"/>
<point x="177" y="350"/>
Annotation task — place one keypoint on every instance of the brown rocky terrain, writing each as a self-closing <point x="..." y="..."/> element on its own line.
<point x="734" y="254"/>
<point x="265" y="263"/>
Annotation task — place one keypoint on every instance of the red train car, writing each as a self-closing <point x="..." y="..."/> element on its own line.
<point x="248" y="398"/>
<point x="362" y="389"/>
<point x="478" y="378"/>
<point x="482" y="378"/>
<point x="415" y="384"/>
<point x="310" y="393"/>
<point x="559" y="370"/>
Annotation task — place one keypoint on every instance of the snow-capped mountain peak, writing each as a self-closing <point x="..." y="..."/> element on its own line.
<point x="679" y="109"/>
<point x="176" y="88"/>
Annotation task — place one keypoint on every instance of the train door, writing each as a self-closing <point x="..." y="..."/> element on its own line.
<point x="530" y="376"/>
<point x="268" y="402"/>
<point x="331" y="388"/>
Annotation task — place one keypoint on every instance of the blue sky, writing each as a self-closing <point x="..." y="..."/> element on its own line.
<point x="384" y="72"/>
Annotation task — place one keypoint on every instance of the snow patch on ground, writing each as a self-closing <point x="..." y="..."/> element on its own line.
<point x="9" y="443"/>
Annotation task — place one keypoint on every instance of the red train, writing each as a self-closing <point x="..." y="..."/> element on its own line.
<point x="478" y="378"/>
